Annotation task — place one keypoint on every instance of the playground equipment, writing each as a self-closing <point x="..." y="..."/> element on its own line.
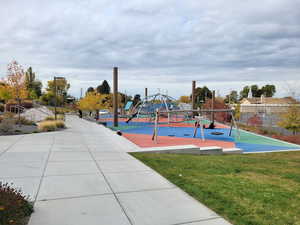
<point x="147" y="106"/>
<point x="198" y="121"/>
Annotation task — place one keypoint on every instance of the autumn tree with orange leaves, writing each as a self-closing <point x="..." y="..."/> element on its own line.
<point x="14" y="86"/>
<point x="15" y="81"/>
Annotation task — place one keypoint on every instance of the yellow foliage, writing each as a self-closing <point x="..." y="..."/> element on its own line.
<point x="51" y="125"/>
<point x="185" y="99"/>
<point x="291" y="119"/>
<point x="94" y="101"/>
<point x="13" y="86"/>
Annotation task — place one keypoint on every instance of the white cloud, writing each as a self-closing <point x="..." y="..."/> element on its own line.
<point x="159" y="44"/>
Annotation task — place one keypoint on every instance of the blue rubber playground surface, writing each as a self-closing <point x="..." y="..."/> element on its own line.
<point x="247" y="141"/>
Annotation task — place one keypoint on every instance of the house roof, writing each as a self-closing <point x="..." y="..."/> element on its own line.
<point x="268" y="100"/>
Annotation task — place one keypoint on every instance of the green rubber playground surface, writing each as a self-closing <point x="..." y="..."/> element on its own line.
<point x="251" y="138"/>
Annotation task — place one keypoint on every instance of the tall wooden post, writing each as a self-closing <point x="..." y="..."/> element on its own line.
<point x="193" y="96"/>
<point x="55" y="98"/>
<point x="213" y="106"/>
<point x="115" y="96"/>
<point x="146" y="94"/>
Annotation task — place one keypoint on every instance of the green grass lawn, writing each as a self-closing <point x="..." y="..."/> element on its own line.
<point x="244" y="189"/>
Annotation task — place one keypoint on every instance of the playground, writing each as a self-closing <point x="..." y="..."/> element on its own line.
<point x="139" y="131"/>
<point x="158" y="122"/>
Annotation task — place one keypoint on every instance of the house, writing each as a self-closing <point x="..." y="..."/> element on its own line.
<point x="266" y="105"/>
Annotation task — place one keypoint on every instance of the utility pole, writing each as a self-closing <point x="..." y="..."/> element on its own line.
<point x="213" y="106"/>
<point x="115" y="95"/>
<point x="193" y="96"/>
<point x="55" y="98"/>
<point x="55" y="94"/>
<point x="146" y="94"/>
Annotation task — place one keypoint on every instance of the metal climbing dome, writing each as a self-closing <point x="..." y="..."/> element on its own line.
<point x="149" y="105"/>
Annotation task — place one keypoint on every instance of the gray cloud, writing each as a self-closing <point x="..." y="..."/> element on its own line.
<point x="159" y="44"/>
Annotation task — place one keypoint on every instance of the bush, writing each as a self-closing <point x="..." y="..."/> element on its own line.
<point x="51" y="125"/>
<point x="8" y="115"/>
<point x="25" y="121"/>
<point x="289" y="138"/>
<point x="7" y="125"/>
<point x="1" y="107"/>
<point x="60" y="124"/>
<point x="58" y="117"/>
<point x="14" y="205"/>
<point x="50" y="118"/>
<point x="47" y="126"/>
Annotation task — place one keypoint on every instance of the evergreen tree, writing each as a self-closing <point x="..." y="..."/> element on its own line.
<point x="90" y="89"/>
<point x="136" y="99"/>
<point x="104" y="88"/>
<point x="245" y="92"/>
<point x="202" y="94"/>
<point x="268" y="90"/>
<point x="33" y="86"/>
<point x="232" y="97"/>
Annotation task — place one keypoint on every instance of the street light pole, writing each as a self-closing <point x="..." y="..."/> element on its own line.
<point x="55" y="94"/>
<point x="55" y="98"/>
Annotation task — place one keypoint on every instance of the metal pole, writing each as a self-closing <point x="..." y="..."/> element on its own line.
<point x="212" y="106"/>
<point x="156" y="125"/>
<point x="55" y="98"/>
<point x="115" y="96"/>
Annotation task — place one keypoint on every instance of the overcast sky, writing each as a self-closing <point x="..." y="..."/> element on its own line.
<point x="165" y="44"/>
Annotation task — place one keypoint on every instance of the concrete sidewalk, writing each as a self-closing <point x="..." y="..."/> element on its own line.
<point x="84" y="176"/>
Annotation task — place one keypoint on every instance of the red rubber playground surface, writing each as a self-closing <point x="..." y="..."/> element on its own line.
<point x="140" y="131"/>
<point x="144" y="141"/>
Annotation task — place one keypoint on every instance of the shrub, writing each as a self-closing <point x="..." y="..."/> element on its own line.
<point x="61" y="117"/>
<point x="7" y="125"/>
<point x="51" y="125"/>
<point x="25" y="121"/>
<point x="14" y="205"/>
<point x="47" y="126"/>
<point x="8" y="115"/>
<point x="50" y="118"/>
<point x="289" y="138"/>
<point x="1" y="107"/>
<point x="60" y="124"/>
<point x="58" y="117"/>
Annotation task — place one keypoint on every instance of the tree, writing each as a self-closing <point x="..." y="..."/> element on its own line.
<point x="136" y="99"/>
<point x="15" y="81"/>
<point x="94" y="101"/>
<point x="90" y="89"/>
<point x="201" y="94"/>
<point x="245" y="92"/>
<point x="62" y="87"/>
<point x="104" y="88"/>
<point x="4" y="92"/>
<point x="237" y="111"/>
<point x="15" y="84"/>
<point x="33" y="86"/>
<point x="256" y="92"/>
<point x="232" y="97"/>
<point x="291" y="119"/>
<point x="268" y="90"/>
<point x="222" y="117"/>
<point x="185" y="99"/>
